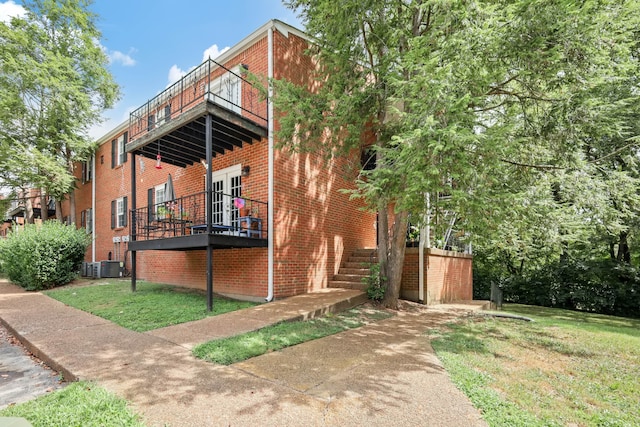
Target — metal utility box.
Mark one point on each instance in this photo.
(84, 269)
(95, 270)
(111, 268)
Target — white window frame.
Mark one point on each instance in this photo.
(226, 90)
(120, 150)
(120, 213)
(159, 201)
(88, 220)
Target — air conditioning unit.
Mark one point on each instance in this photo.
(111, 268)
(84, 269)
(95, 270)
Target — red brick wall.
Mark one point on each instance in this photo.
(314, 223)
(448, 276)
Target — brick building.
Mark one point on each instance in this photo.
(265, 223)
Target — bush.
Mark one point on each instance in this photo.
(599, 286)
(43, 256)
(376, 284)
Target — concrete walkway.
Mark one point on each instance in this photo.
(380, 375)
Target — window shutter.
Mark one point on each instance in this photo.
(89, 220)
(114, 153)
(113, 214)
(84, 172)
(150, 205)
(124, 150)
(83, 218)
(126, 211)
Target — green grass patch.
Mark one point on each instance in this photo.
(152, 306)
(78, 404)
(565, 368)
(235, 349)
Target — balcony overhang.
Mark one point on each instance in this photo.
(197, 242)
(181, 141)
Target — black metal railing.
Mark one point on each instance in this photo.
(184, 216)
(210, 81)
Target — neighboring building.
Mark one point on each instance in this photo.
(17, 212)
(146, 193)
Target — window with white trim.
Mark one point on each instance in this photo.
(159, 197)
(228, 90)
(118, 152)
(119, 213)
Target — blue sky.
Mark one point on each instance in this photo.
(152, 42)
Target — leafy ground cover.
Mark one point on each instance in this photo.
(565, 368)
(78, 404)
(235, 349)
(152, 306)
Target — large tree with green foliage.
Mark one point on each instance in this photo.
(54, 85)
(493, 103)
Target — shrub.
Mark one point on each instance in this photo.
(600, 286)
(376, 284)
(43, 256)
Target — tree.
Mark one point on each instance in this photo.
(55, 85)
(478, 100)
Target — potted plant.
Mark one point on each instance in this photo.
(163, 212)
(243, 205)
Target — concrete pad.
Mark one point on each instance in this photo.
(382, 374)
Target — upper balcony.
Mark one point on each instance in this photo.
(173, 123)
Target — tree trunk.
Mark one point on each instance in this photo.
(397, 245)
(72, 193)
(72, 207)
(383, 242)
(59, 215)
(624, 254)
(28, 210)
(44, 211)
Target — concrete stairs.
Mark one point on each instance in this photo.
(354, 269)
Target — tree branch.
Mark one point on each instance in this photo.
(613, 153)
(526, 165)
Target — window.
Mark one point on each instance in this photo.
(119, 213)
(86, 220)
(86, 171)
(160, 197)
(151, 122)
(227, 90)
(118, 153)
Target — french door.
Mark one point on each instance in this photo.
(226, 186)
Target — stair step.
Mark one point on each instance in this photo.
(347, 285)
(350, 264)
(364, 252)
(366, 259)
(358, 271)
(356, 278)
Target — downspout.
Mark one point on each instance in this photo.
(425, 240)
(270, 221)
(93, 208)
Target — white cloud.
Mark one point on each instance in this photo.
(125, 59)
(175, 74)
(9, 9)
(213, 52)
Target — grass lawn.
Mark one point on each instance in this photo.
(564, 369)
(272, 338)
(78, 404)
(152, 306)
